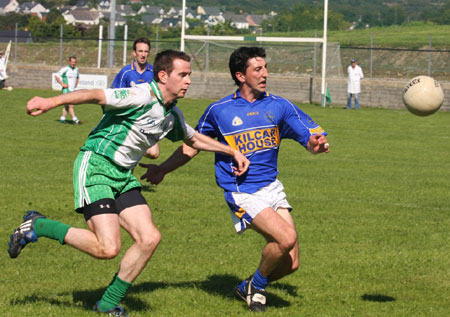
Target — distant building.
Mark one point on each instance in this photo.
(33, 8)
(82, 16)
(7, 6)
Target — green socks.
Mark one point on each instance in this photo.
(113, 294)
(52, 229)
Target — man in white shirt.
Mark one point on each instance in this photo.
(355, 74)
(2, 70)
(68, 77)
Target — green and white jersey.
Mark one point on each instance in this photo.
(69, 76)
(135, 119)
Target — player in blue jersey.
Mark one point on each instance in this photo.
(137, 72)
(254, 122)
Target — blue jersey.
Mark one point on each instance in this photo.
(129, 75)
(256, 130)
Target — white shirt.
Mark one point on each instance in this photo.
(354, 79)
(2, 68)
(69, 76)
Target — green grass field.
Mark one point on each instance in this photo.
(373, 218)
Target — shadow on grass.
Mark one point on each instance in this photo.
(148, 188)
(217, 285)
(377, 298)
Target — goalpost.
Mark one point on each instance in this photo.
(322, 40)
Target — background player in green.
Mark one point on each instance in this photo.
(106, 191)
(255, 122)
(68, 77)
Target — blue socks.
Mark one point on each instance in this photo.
(259, 281)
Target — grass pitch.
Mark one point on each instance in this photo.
(373, 218)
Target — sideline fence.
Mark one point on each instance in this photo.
(299, 59)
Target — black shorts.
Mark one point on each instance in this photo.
(128, 199)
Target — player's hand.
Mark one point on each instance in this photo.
(318, 144)
(38, 105)
(154, 173)
(242, 163)
(65, 85)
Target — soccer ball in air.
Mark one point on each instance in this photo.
(423, 96)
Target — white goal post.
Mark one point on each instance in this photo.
(322, 40)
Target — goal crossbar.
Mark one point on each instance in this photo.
(255, 39)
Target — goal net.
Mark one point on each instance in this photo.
(283, 58)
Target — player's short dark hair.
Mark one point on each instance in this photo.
(72, 57)
(239, 60)
(141, 40)
(164, 61)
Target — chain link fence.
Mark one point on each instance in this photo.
(300, 59)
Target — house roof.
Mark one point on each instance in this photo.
(150, 18)
(214, 11)
(4, 3)
(84, 15)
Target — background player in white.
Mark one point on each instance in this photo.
(254, 122)
(106, 191)
(68, 77)
(355, 74)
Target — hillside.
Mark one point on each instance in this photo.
(353, 10)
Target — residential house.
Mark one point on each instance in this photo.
(34, 8)
(151, 18)
(151, 10)
(104, 6)
(124, 10)
(120, 19)
(239, 21)
(82, 16)
(209, 11)
(7, 6)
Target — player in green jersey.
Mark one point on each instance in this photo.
(106, 191)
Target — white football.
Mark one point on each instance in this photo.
(9, 88)
(423, 96)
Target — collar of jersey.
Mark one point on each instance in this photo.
(159, 97)
(133, 67)
(237, 94)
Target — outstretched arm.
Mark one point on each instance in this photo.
(38, 105)
(318, 144)
(205, 143)
(155, 173)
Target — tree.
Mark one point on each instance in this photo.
(8, 22)
(54, 16)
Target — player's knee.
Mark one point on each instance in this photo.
(150, 240)
(109, 252)
(289, 241)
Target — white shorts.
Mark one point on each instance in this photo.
(244, 207)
